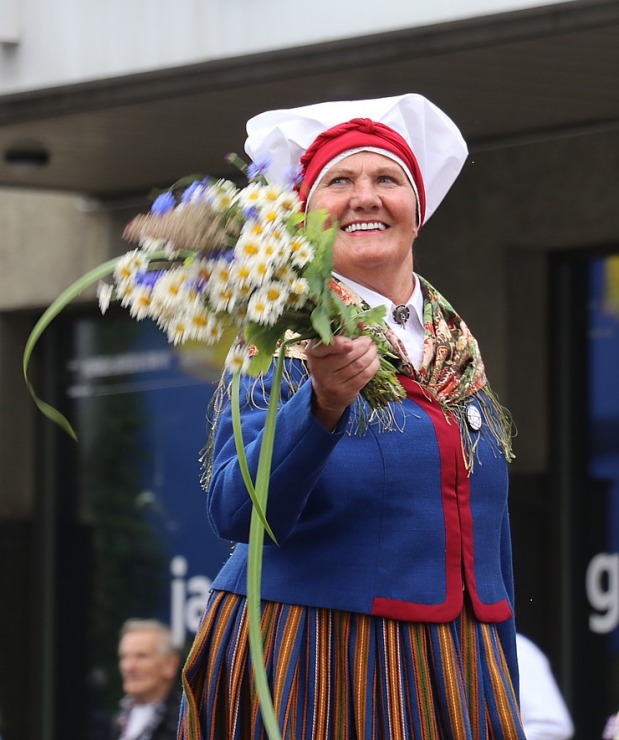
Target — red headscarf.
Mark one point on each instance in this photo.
(357, 134)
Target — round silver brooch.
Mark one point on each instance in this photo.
(473, 417)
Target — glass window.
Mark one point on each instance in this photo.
(133, 538)
(602, 570)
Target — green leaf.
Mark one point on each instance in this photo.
(321, 322)
(264, 339)
(342, 315)
(315, 224)
(295, 219)
(315, 279)
(240, 164)
(371, 315)
(186, 181)
(259, 364)
(63, 300)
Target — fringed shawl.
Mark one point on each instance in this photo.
(452, 372)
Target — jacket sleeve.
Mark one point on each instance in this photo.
(301, 449)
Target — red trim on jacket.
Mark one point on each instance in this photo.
(459, 535)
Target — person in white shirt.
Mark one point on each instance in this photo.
(545, 715)
(149, 665)
(611, 729)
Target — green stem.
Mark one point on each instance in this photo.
(254, 555)
(240, 451)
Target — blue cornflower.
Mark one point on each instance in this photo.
(163, 203)
(149, 277)
(259, 168)
(294, 177)
(195, 190)
(221, 253)
(190, 191)
(251, 213)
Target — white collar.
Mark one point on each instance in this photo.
(372, 298)
(412, 334)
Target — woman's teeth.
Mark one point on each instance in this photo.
(365, 226)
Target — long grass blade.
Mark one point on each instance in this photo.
(69, 294)
(254, 557)
(63, 300)
(240, 451)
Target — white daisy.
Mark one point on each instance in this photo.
(221, 297)
(237, 359)
(221, 194)
(288, 201)
(213, 331)
(202, 326)
(276, 248)
(129, 265)
(149, 244)
(301, 251)
(266, 305)
(272, 193)
(298, 293)
(177, 331)
(200, 270)
(272, 215)
(260, 269)
(169, 292)
(248, 245)
(140, 302)
(105, 293)
(220, 289)
(252, 196)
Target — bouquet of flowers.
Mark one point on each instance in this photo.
(209, 257)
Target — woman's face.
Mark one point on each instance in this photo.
(375, 206)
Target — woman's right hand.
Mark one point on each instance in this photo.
(339, 371)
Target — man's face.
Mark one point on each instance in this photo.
(146, 672)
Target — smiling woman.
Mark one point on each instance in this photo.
(387, 602)
(375, 206)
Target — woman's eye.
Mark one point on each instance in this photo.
(337, 180)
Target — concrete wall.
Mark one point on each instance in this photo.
(44, 44)
(487, 249)
(46, 242)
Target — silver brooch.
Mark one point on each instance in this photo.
(400, 315)
(473, 417)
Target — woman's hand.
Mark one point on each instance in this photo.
(339, 371)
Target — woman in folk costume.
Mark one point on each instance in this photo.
(388, 600)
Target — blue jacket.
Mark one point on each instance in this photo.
(388, 523)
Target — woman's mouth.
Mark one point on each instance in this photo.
(365, 226)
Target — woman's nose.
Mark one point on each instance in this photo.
(364, 195)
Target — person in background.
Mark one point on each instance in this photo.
(611, 729)
(149, 666)
(545, 715)
(388, 598)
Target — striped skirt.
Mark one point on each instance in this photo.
(335, 675)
